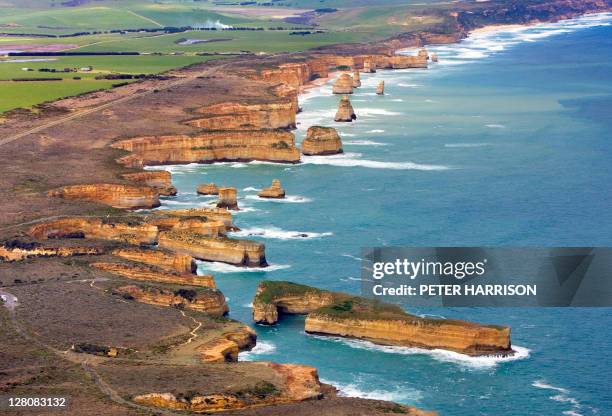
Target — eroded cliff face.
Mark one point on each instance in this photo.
(207, 214)
(159, 180)
(114, 195)
(207, 189)
(210, 147)
(273, 299)
(17, 251)
(173, 262)
(294, 383)
(321, 141)
(226, 347)
(209, 301)
(149, 274)
(294, 75)
(228, 199)
(96, 229)
(197, 225)
(238, 252)
(236, 116)
(463, 337)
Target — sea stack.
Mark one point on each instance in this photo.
(434, 57)
(356, 79)
(273, 192)
(345, 110)
(423, 53)
(228, 199)
(380, 89)
(208, 189)
(369, 66)
(343, 85)
(321, 141)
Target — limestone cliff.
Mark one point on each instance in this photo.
(228, 198)
(198, 225)
(292, 74)
(345, 110)
(343, 85)
(237, 116)
(210, 147)
(150, 274)
(210, 301)
(238, 252)
(275, 191)
(321, 141)
(131, 233)
(276, 298)
(160, 180)
(114, 195)
(18, 251)
(423, 54)
(356, 79)
(339, 314)
(369, 66)
(208, 189)
(434, 57)
(293, 383)
(226, 347)
(206, 214)
(173, 262)
(380, 89)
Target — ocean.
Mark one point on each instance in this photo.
(505, 142)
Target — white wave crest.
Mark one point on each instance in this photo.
(289, 199)
(218, 267)
(562, 397)
(371, 112)
(364, 143)
(375, 131)
(352, 160)
(251, 189)
(480, 362)
(261, 348)
(359, 390)
(495, 126)
(406, 85)
(277, 233)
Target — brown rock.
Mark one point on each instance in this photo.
(114, 195)
(208, 189)
(423, 53)
(406, 62)
(210, 147)
(380, 89)
(239, 252)
(150, 274)
(434, 57)
(321, 141)
(160, 180)
(18, 252)
(228, 199)
(228, 345)
(274, 192)
(343, 85)
(345, 110)
(356, 79)
(168, 261)
(369, 66)
(209, 301)
(96, 229)
(237, 116)
(207, 214)
(197, 225)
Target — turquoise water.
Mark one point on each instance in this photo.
(505, 142)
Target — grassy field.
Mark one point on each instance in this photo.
(26, 94)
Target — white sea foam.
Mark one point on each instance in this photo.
(373, 112)
(562, 397)
(363, 143)
(251, 189)
(452, 145)
(478, 363)
(278, 234)
(261, 348)
(495, 126)
(245, 209)
(352, 160)
(289, 199)
(352, 257)
(360, 390)
(407, 85)
(348, 134)
(218, 267)
(376, 131)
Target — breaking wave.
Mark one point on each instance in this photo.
(352, 160)
(359, 389)
(364, 143)
(277, 233)
(261, 348)
(218, 267)
(562, 397)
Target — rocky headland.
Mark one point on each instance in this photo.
(339, 314)
(114, 195)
